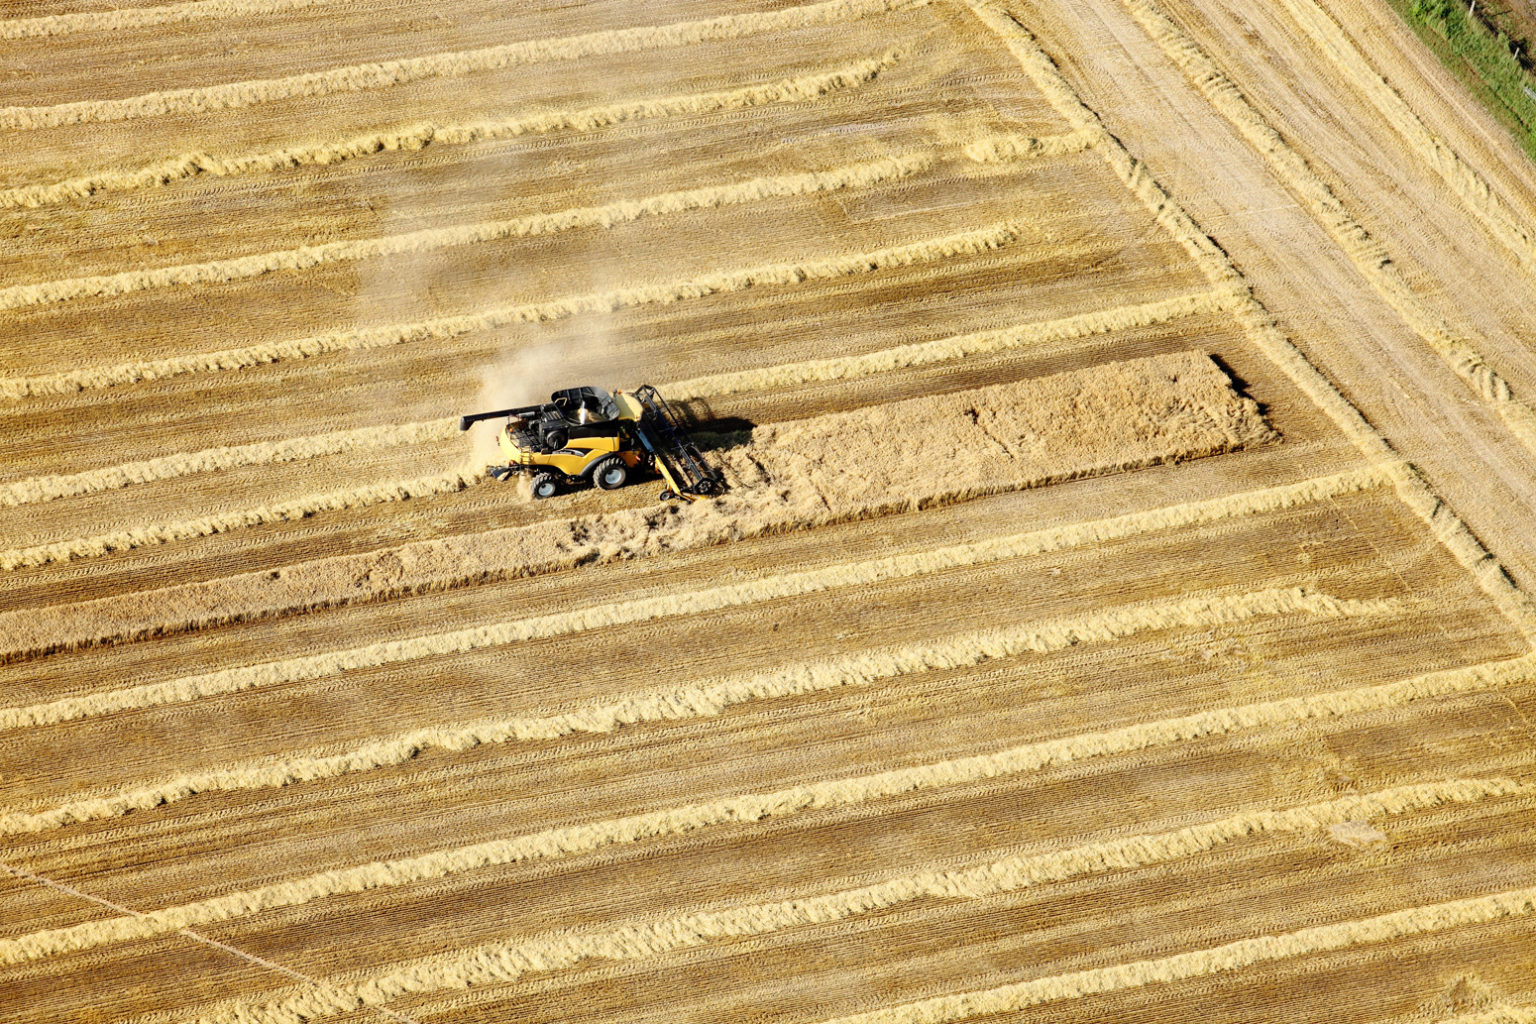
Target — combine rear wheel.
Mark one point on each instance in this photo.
(544, 485)
(610, 472)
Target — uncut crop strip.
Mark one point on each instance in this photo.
(1368, 255)
(145, 17)
(1205, 963)
(567, 841)
(1180, 406)
(49, 488)
(929, 250)
(239, 268)
(1468, 186)
(847, 574)
(33, 490)
(448, 563)
(709, 697)
(508, 961)
(387, 74)
(1442, 521)
(799, 89)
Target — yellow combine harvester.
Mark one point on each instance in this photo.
(586, 435)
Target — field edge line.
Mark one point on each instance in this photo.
(1471, 188)
(1414, 490)
(1367, 254)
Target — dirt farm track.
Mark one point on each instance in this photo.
(1121, 608)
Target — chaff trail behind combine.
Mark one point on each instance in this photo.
(587, 435)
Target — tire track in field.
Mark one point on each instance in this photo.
(49, 488)
(800, 89)
(508, 961)
(386, 74)
(1446, 526)
(226, 521)
(965, 243)
(33, 490)
(1470, 187)
(566, 841)
(51, 25)
(867, 174)
(709, 697)
(1503, 1013)
(961, 346)
(453, 562)
(1205, 963)
(1367, 254)
(724, 519)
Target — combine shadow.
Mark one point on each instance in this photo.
(711, 432)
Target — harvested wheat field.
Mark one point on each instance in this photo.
(1120, 607)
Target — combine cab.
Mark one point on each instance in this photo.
(586, 435)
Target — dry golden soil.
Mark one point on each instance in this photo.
(1119, 611)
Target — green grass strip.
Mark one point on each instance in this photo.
(1484, 59)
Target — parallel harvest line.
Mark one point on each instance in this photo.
(1000, 148)
(235, 680)
(708, 697)
(1504, 1013)
(49, 488)
(1204, 963)
(417, 136)
(1442, 521)
(499, 963)
(386, 74)
(1367, 254)
(965, 243)
(238, 268)
(1470, 187)
(961, 346)
(67, 485)
(145, 17)
(223, 522)
(567, 841)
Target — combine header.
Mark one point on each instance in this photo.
(586, 435)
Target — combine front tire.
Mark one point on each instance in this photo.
(610, 473)
(544, 485)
